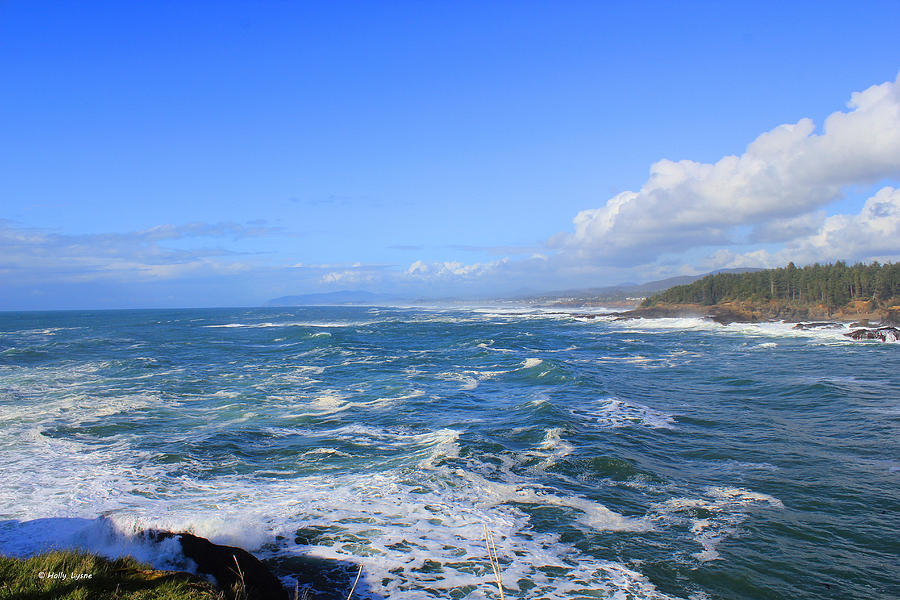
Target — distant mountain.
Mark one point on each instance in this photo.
(623, 291)
(616, 293)
(331, 298)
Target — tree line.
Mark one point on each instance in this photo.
(831, 284)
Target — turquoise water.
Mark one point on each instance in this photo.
(628, 459)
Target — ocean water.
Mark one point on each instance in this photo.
(670, 458)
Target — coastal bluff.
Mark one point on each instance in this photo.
(861, 313)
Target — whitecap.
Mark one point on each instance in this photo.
(726, 508)
(615, 412)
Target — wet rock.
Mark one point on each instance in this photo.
(233, 568)
(660, 312)
(818, 325)
(726, 316)
(885, 334)
(892, 317)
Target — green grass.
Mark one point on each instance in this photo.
(82, 576)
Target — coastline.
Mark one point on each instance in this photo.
(328, 478)
(862, 318)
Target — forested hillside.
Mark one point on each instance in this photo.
(832, 285)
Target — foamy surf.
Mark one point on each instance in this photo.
(609, 459)
(725, 509)
(616, 412)
(763, 329)
(391, 523)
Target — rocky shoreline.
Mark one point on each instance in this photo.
(865, 322)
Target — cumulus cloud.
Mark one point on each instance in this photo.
(786, 173)
(780, 230)
(764, 207)
(874, 233)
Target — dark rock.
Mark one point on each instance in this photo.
(657, 312)
(231, 567)
(819, 325)
(724, 316)
(892, 317)
(885, 334)
(861, 323)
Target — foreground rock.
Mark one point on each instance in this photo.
(235, 570)
(885, 334)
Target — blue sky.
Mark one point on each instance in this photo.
(224, 153)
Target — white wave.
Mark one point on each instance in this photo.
(41, 331)
(311, 369)
(391, 522)
(265, 325)
(726, 507)
(325, 451)
(102, 536)
(531, 362)
(79, 407)
(412, 394)
(329, 402)
(554, 447)
(637, 359)
(443, 445)
(470, 379)
(490, 346)
(595, 514)
(615, 412)
(765, 329)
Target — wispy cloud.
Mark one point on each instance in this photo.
(499, 250)
(34, 255)
(257, 228)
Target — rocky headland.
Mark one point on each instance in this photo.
(867, 320)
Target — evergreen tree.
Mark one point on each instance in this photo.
(831, 284)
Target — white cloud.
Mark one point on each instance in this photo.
(451, 270)
(350, 276)
(793, 228)
(29, 255)
(786, 173)
(875, 231)
(873, 234)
